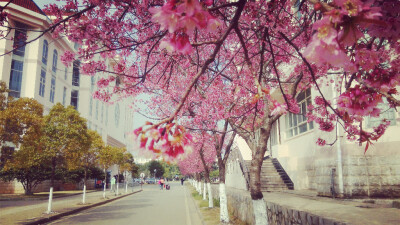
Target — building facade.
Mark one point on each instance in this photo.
(341, 169)
(36, 71)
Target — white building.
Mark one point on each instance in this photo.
(36, 71)
(342, 166)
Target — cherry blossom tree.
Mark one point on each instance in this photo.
(229, 60)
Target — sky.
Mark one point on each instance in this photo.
(42, 3)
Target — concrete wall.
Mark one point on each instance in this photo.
(17, 188)
(240, 205)
(233, 175)
(375, 173)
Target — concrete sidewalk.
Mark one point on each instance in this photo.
(346, 211)
(33, 211)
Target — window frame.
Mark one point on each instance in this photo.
(45, 52)
(42, 83)
(55, 61)
(297, 124)
(52, 88)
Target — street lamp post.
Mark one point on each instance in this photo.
(155, 171)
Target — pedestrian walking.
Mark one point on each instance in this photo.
(161, 183)
(182, 181)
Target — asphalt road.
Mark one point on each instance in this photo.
(152, 206)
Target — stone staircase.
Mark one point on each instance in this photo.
(273, 176)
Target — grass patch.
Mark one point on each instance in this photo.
(211, 215)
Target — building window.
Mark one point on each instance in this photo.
(274, 134)
(52, 88)
(91, 107)
(386, 113)
(55, 58)
(74, 98)
(45, 52)
(92, 83)
(116, 115)
(42, 85)
(117, 81)
(65, 73)
(102, 112)
(16, 78)
(297, 123)
(97, 110)
(19, 40)
(64, 96)
(75, 74)
(76, 45)
(106, 115)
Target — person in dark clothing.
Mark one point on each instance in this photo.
(182, 180)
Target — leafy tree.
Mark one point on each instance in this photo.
(23, 121)
(223, 59)
(89, 156)
(170, 170)
(106, 158)
(3, 95)
(156, 165)
(65, 139)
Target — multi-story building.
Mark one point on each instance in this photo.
(340, 168)
(36, 71)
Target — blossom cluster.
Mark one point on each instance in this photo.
(169, 141)
(181, 18)
(360, 101)
(339, 28)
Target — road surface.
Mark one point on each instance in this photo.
(151, 206)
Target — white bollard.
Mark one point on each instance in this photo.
(50, 201)
(84, 195)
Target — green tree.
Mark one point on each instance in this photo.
(170, 170)
(157, 167)
(65, 139)
(22, 121)
(3, 95)
(106, 158)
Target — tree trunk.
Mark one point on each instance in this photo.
(84, 187)
(53, 172)
(104, 183)
(205, 191)
(117, 183)
(208, 181)
(223, 202)
(258, 151)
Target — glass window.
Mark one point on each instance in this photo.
(55, 59)
(16, 78)
(42, 84)
(19, 40)
(117, 115)
(92, 83)
(74, 98)
(52, 88)
(97, 110)
(117, 81)
(64, 95)
(386, 113)
(91, 107)
(274, 134)
(297, 123)
(102, 111)
(65, 73)
(106, 114)
(45, 52)
(75, 74)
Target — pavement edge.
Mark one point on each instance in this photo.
(58, 216)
